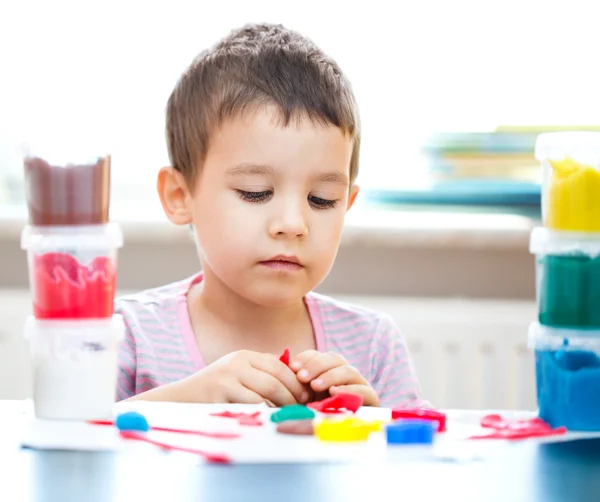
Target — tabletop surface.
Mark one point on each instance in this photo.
(523, 471)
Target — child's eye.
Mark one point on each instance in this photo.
(320, 203)
(254, 196)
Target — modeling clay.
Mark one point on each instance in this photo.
(569, 290)
(67, 193)
(248, 419)
(348, 429)
(516, 429)
(218, 458)
(411, 431)
(424, 414)
(134, 426)
(132, 421)
(573, 197)
(292, 412)
(338, 403)
(568, 386)
(297, 427)
(285, 357)
(65, 289)
(520, 434)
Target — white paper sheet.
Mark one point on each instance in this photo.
(261, 444)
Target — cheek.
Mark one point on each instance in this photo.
(327, 231)
(223, 233)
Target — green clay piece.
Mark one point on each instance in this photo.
(292, 412)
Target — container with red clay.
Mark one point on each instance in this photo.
(71, 245)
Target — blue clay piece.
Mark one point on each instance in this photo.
(132, 421)
(410, 431)
(568, 386)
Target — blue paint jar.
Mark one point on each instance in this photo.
(567, 366)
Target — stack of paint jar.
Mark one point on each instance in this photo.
(566, 338)
(72, 258)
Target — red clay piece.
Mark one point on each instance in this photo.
(422, 414)
(285, 357)
(337, 403)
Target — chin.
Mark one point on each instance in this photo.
(276, 297)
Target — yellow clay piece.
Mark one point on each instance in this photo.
(573, 197)
(347, 429)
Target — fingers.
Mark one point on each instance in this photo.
(301, 359)
(318, 365)
(238, 393)
(368, 393)
(278, 371)
(266, 386)
(341, 375)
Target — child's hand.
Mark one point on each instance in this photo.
(331, 372)
(248, 377)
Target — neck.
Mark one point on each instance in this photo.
(241, 316)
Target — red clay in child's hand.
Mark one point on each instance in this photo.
(65, 289)
(285, 357)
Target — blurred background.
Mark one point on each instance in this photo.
(452, 95)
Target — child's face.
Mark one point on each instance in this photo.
(267, 194)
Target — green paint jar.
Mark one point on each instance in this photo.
(567, 278)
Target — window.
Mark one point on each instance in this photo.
(87, 73)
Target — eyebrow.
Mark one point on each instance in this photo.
(249, 169)
(334, 177)
(265, 170)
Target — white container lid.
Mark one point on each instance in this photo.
(72, 237)
(81, 328)
(582, 146)
(547, 338)
(544, 241)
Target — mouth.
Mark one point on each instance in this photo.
(283, 263)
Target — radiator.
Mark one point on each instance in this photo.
(467, 354)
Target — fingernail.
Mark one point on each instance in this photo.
(295, 365)
(304, 397)
(303, 374)
(319, 383)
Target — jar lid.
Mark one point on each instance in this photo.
(548, 338)
(544, 241)
(113, 327)
(107, 236)
(582, 146)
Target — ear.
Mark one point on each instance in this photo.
(353, 193)
(174, 196)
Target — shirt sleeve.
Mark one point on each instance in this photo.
(393, 375)
(126, 376)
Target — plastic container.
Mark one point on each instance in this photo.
(570, 180)
(72, 270)
(64, 190)
(74, 367)
(567, 278)
(567, 377)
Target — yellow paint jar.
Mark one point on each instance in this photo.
(571, 180)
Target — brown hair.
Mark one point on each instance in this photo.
(256, 65)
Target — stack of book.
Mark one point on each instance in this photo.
(494, 169)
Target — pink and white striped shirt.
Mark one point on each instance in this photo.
(160, 346)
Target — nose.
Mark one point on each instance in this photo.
(289, 220)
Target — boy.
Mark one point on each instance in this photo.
(263, 136)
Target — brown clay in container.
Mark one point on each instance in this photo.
(71, 194)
